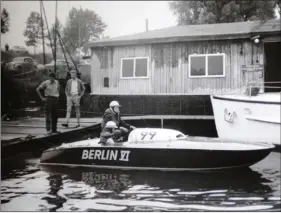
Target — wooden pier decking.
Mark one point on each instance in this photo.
(26, 135)
(24, 129)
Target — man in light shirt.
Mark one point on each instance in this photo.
(74, 90)
(51, 89)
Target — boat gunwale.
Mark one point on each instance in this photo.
(264, 146)
(244, 100)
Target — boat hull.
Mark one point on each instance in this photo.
(247, 120)
(152, 159)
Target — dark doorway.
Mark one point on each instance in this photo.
(272, 65)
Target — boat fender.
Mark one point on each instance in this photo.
(229, 116)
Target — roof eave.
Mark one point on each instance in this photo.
(277, 32)
(168, 40)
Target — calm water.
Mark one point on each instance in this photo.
(27, 187)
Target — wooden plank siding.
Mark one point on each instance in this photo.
(168, 68)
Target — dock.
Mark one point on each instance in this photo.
(26, 134)
(13, 131)
(29, 134)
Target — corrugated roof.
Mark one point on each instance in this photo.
(193, 32)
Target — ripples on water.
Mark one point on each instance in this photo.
(27, 187)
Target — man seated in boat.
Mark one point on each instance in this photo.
(113, 114)
(110, 133)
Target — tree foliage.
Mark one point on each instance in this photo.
(33, 30)
(279, 7)
(5, 21)
(222, 11)
(81, 27)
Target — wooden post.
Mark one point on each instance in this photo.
(146, 25)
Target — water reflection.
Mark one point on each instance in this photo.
(247, 180)
(29, 187)
(55, 183)
(150, 190)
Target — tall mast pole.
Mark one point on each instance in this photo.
(79, 35)
(68, 52)
(47, 25)
(61, 44)
(55, 37)
(42, 28)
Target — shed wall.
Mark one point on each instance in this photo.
(168, 72)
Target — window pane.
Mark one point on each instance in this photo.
(197, 65)
(128, 68)
(141, 67)
(215, 65)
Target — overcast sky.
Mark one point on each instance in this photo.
(121, 17)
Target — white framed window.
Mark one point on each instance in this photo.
(136, 67)
(206, 65)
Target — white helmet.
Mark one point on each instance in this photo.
(114, 104)
(111, 124)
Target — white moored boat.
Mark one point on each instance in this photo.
(252, 118)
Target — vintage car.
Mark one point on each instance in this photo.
(22, 64)
(61, 67)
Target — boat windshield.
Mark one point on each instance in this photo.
(154, 134)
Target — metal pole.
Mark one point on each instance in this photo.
(42, 27)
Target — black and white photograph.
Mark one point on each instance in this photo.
(141, 106)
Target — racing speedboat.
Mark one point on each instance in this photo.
(158, 149)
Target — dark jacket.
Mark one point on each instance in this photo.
(106, 134)
(109, 115)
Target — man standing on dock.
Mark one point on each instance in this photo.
(74, 90)
(51, 89)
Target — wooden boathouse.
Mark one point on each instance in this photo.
(173, 71)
